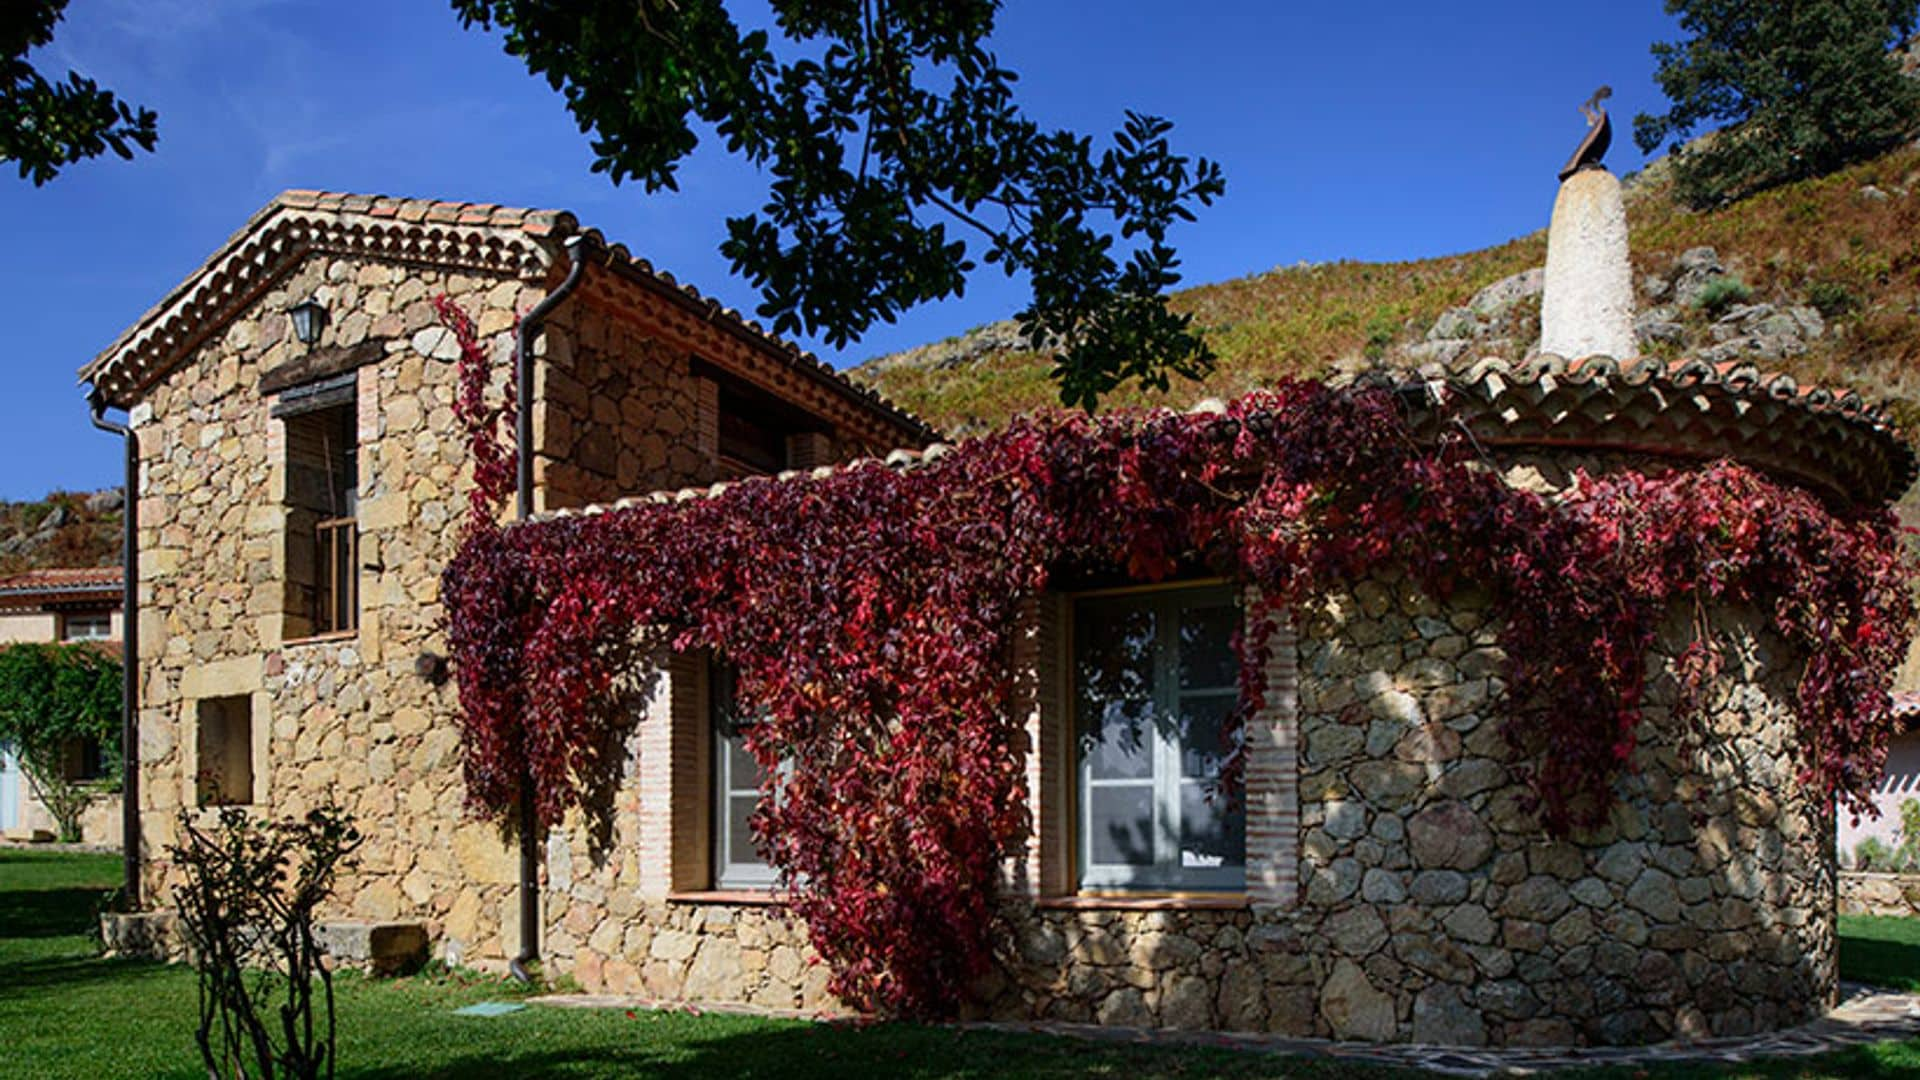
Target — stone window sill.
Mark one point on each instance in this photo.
(322, 639)
(1171, 902)
(741, 897)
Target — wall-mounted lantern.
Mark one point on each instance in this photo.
(308, 316)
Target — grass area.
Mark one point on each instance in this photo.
(1882, 951)
(66, 1013)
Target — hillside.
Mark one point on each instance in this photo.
(1828, 275)
(64, 529)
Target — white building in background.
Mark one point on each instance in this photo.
(1898, 784)
(66, 604)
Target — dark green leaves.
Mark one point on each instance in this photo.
(889, 129)
(47, 125)
(1803, 88)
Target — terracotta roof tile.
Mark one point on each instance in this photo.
(77, 577)
(1832, 440)
(35, 587)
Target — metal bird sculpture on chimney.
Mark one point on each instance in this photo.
(1599, 134)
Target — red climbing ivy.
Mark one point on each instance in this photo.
(869, 614)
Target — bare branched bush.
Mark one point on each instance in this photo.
(248, 899)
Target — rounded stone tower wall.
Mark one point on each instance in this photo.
(1434, 907)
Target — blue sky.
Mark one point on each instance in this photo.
(1370, 131)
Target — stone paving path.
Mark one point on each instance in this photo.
(1864, 1015)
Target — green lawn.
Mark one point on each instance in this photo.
(65, 1013)
(1881, 951)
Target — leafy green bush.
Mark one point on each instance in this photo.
(1721, 293)
(1872, 853)
(52, 696)
(1831, 299)
(1380, 332)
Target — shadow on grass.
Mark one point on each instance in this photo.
(55, 912)
(833, 1051)
(1880, 961)
(28, 978)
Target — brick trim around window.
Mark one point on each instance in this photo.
(1041, 702)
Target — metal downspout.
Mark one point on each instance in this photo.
(523, 507)
(129, 653)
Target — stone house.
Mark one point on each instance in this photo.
(1384, 880)
(66, 604)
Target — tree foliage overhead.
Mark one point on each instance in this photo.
(1802, 89)
(52, 696)
(46, 125)
(896, 154)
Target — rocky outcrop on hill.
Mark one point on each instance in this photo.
(1696, 307)
(64, 529)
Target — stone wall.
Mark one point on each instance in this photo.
(345, 717)
(1431, 906)
(618, 413)
(1897, 895)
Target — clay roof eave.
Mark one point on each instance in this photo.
(514, 240)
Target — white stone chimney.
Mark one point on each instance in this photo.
(1586, 308)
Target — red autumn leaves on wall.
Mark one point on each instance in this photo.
(870, 613)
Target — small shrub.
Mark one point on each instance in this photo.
(1721, 293)
(1872, 854)
(1380, 332)
(1831, 299)
(1908, 853)
(248, 898)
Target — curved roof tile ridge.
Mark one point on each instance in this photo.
(1829, 437)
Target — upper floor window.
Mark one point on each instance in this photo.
(322, 470)
(737, 862)
(760, 434)
(1155, 681)
(86, 626)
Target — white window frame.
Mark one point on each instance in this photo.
(102, 621)
(728, 726)
(1166, 874)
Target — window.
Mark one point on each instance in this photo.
(86, 626)
(760, 433)
(86, 759)
(1155, 680)
(323, 587)
(225, 745)
(737, 862)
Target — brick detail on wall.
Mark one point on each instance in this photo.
(1040, 707)
(1273, 779)
(675, 778)
(366, 401)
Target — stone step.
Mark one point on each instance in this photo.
(378, 948)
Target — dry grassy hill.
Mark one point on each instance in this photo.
(64, 529)
(1828, 290)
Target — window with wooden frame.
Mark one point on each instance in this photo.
(760, 433)
(1155, 681)
(322, 481)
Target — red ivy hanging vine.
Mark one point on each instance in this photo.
(869, 615)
